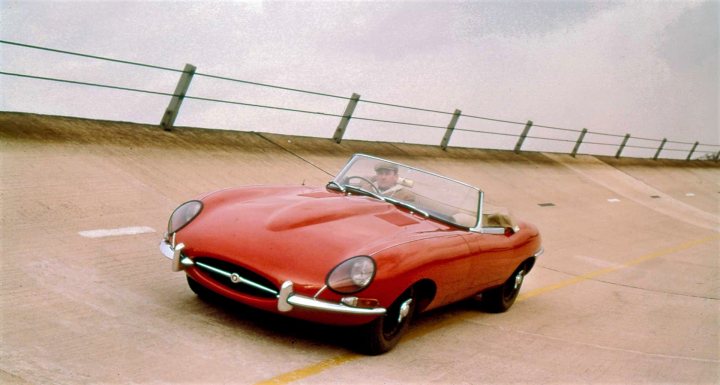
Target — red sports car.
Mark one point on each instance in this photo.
(378, 244)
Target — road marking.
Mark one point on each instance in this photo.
(598, 262)
(101, 233)
(633, 262)
(330, 363)
(604, 347)
(311, 370)
(613, 200)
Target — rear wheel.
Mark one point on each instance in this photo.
(501, 298)
(384, 333)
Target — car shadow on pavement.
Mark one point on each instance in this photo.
(281, 329)
(296, 333)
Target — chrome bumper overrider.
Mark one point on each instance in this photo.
(287, 299)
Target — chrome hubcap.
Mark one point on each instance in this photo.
(404, 310)
(519, 279)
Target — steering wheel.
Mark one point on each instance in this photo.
(375, 189)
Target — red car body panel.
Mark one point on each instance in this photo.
(300, 234)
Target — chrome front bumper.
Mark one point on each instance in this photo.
(287, 298)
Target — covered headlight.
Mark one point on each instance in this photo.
(183, 215)
(352, 275)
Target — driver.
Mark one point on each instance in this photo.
(386, 179)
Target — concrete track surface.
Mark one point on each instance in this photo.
(626, 292)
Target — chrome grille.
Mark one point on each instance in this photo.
(237, 278)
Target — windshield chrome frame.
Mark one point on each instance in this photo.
(478, 225)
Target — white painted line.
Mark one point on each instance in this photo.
(690, 194)
(613, 200)
(100, 233)
(600, 262)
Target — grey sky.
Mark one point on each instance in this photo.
(645, 68)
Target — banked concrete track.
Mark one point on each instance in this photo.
(626, 292)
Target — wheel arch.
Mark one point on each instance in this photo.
(425, 291)
(528, 263)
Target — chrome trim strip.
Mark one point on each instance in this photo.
(492, 230)
(214, 269)
(309, 303)
(287, 300)
(350, 163)
(236, 278)
(285, 291)
(481, 209)
(539, 252)
(320, 291)
(179, 262)
(476, 228)
(166, 249)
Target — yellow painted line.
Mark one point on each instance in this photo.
(636, 261)
(310, 370)
(342, 359)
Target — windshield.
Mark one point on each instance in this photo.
(425, 192)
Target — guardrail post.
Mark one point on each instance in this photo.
(520, 141)
(662, 144)
(450, 128)
(340, 131)
(692, 150)
(579, 142)
(622, 146)
(171, 113)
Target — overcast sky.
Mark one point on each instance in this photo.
(646, 68)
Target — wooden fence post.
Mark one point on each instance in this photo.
(340, 131)
(171, 113)
(450, 128)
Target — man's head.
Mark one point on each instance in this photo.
(386, 175)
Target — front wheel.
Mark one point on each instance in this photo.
(381, 335)
(501, 298)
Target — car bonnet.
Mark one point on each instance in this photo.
(298, 233)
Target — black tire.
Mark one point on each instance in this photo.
(381, 335)
(501, 298)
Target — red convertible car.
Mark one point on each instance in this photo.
(378, 244)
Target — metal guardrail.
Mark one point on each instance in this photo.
(187, 74)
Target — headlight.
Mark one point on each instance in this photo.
(352, 275)
(183, 215)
